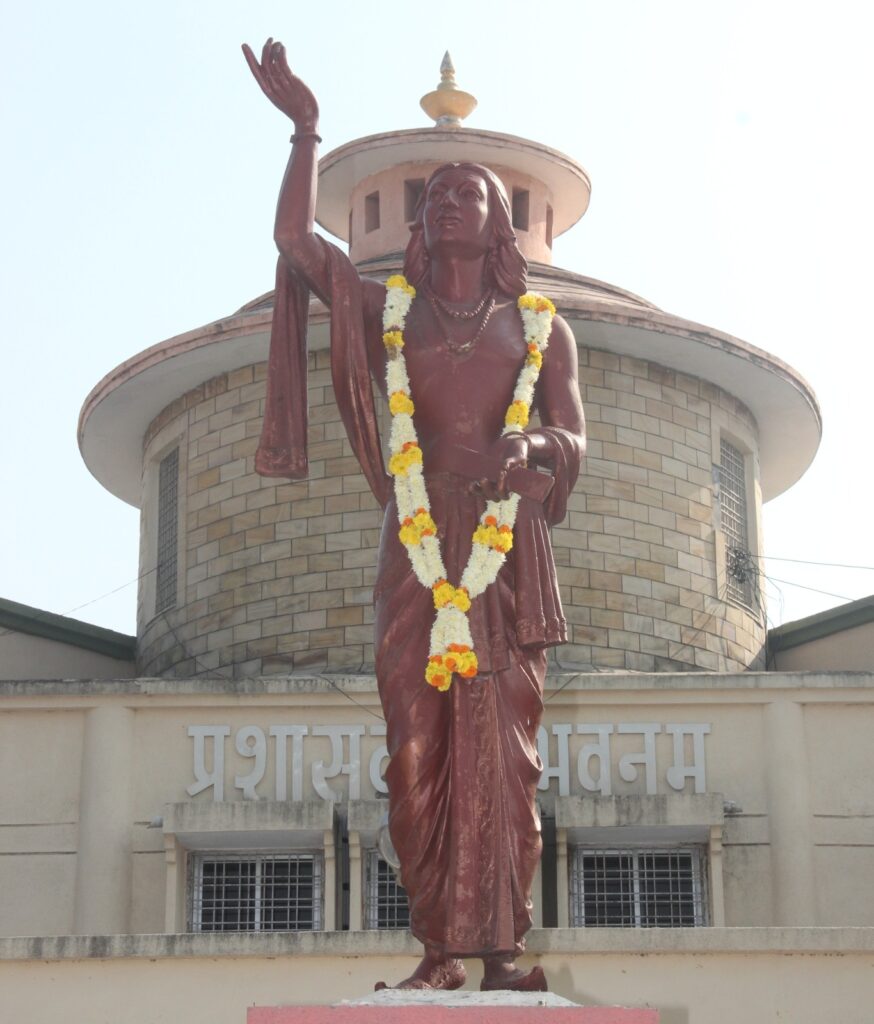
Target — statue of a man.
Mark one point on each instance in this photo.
(454, 348)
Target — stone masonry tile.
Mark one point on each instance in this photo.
(601, 505)
(594, 635)
(249, 483)
(573, 577)
(325, 488)
(690, 599)
(618, 452)
(327, 524)
(622, 640)
(332, 637)
(633, 474)
(264, 535)
(651, 571)
(308, 545)
(586, 521)
(605, 360)
(307, 582)
(616, 563)
(635, 548)
(245, 448)
(588, 598)
(619, 382)
(292, 492)
(604, 543)
(330, 563)
(277, 551)
(591, 377)
(647, 460)
(648, 534)
(207, 551)
(594, 450)
(365, 558)
(227, 399)
(640, 624)
(631, 402)
(637, 585)
(347, 541)
(357, 634)
(290, 604)
(288, 529)
(631, 438)
(343, 502)
(247, 631)
(215, 531)
(345, 616)
(304, 621)
(589, 559)
(341, 466)
(266, 608)
(676, 541)
(676, 614)
(272, 514)
(634, 367)
(614, 414)
(344, 578)
(231, 544)
(605, 581)
(653, 607)
(577, 614)
(326, 599)
(279, 587)
(658, 445)
(621, 603)
(601, 431)
(208, 478)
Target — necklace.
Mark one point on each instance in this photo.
(458, 314)
(451, 648)
(455, 347)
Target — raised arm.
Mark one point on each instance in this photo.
(295, 211)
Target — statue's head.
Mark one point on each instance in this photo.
(464, 209)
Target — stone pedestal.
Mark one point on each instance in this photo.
(391, 1007)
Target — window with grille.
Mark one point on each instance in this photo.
(385, 901)
(256, 893)
(655, 888)
(733, 518)
(168, 526)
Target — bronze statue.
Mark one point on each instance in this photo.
(463, 765)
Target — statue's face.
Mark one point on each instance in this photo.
(456, 215)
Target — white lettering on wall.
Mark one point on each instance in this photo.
(336, 753)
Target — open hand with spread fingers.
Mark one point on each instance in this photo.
(284, 89)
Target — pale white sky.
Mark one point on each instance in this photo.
(728, 146)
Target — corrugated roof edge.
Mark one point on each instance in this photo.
(22, 618)
(834, 620)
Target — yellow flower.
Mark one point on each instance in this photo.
(498, 537)
(399, 402)
(444, 592)
(517, 414)
(538, 303)
(400, 462)
(393, 339)
(437, 675)
(461, 599)
(535, 356)
(409, 533)
(399, 281)
(424, 523)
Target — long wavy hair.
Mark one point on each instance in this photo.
(506, 269)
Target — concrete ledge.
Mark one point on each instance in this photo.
(608, 683)
(631, 941)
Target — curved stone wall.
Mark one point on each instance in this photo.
(275, 576)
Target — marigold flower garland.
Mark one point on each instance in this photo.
(451, 649)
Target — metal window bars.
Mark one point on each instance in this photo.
(733, 518)
(637, 888)
(256, 892)
(385, 901)
(168, 527)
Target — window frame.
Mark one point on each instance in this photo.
(194, 887)
(700, 898)
(371, 866)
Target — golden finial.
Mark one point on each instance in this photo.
(447, 104)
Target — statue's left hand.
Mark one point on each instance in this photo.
(511, 452)
(284, 89)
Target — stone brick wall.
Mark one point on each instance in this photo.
(276, 576)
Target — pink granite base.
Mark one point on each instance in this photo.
(449, 1015)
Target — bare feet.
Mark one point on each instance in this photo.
(506, 976)
(434, 971)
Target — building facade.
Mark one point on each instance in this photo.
(219, 802)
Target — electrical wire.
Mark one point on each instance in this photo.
(805, 561)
